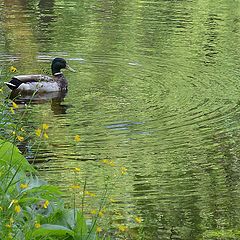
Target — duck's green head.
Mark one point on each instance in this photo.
(58, 64)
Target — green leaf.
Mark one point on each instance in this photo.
(29, 200)
(66, 218)
(81, 229)
(10, 155)
(52, 230)
(37, 187)
(47, 189)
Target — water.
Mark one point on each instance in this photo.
(156, 91)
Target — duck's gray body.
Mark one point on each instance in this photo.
(42, 83)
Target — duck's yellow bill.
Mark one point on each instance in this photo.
(70, 69)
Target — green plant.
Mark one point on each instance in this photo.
(32, 209)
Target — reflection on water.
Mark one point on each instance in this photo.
(157, 92)
(55, 98)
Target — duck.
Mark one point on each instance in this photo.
(42, 83)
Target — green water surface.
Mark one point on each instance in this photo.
(156, 91)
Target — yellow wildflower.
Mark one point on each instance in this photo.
(14, 105)
(122, 228)
(105, 161)
(111, 163)
(1, 208)
(38, 132)
(93, 212)
(90, 194)
(1, 90)
(23, 185)
(20, 138)
(37, 225)
(77, 138)
(45, 204)
(45, 135)
(14, 133)
(98, 229)
(17, 208)
(123, 170)
(22, 129)
(138, 219)
(77, 169)
(13, 69)
(75, 186)
(100, 214)
(108, 162)
(45, 126)
(12, 111)
(8, 225)
(11, 221)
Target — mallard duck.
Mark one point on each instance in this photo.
(42, 83)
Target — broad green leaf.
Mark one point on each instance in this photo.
(66, 218)
(52, 230)
(46, 189)
(10, 155)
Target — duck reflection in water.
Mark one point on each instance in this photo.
(56, 99)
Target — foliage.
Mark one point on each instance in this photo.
(32, 209)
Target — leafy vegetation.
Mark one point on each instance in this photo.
(32, 209)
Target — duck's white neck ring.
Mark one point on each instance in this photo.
(59, 73)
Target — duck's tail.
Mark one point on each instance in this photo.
(14, 83)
